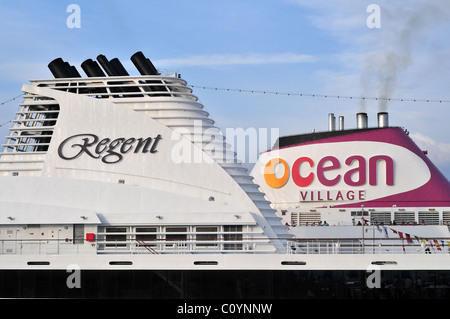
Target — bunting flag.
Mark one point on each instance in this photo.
(400, 234)
(386, 233)
(408, 238)
(437, 244)
(433, 243)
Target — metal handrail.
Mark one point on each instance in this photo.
(156, 246)
(356, 246)
(150, 249)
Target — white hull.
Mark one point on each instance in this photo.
(305, 262)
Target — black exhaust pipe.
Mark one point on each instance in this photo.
(144, 65)
(112, 67)
(61, 69)
(115, 68)
(75, 72)
(106, 65)
(92, 69)
(119, 67)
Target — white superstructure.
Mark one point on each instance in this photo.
(122, 161)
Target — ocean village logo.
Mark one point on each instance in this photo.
(110, 151)
(329, 172)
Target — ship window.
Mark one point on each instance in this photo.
(408, 218)
(116, 236)
(308, 218)
(294, 219)
(359, 213)
(179, 234)
(78, 233)
(381, 217)
(232, 237)
(146, 235)
(429, 218)
(446, 218)
(209, 237)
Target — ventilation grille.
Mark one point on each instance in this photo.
(305, 218)
(430, 218)
(405, 217)
(30, 135)
(381, 217)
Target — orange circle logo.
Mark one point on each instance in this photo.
(269, 173)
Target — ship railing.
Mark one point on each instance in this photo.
(255, 245)
(48, 246)
(359, 246)
(163, 246)
(122, 86)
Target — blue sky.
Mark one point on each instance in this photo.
(299, 46)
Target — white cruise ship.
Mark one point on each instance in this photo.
(122, 186)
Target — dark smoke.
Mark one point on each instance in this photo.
(403, 27)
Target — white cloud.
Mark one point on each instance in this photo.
(383, 55)
(438, 152)
(232, 59)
